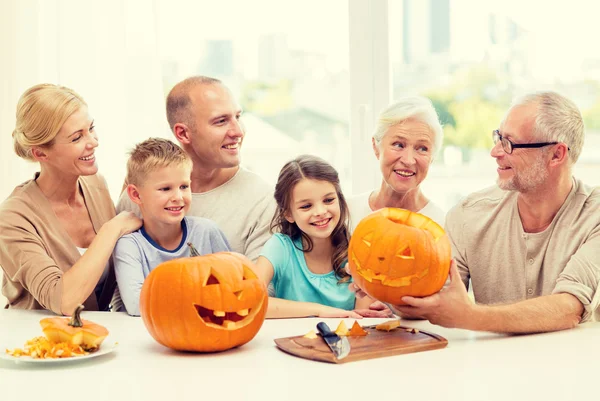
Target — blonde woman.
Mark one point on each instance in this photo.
(58, 230)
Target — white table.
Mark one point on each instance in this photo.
(474, 366)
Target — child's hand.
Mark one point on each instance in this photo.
(328, 311)
(376, 309)
(387, 312)
(378, 305)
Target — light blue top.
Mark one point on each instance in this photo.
(292, 280)
(136, 255)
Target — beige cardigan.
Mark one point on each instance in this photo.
(35, 250)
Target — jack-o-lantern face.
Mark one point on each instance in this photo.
(395, 252)
(204, 303)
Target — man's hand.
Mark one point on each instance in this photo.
(451, 307)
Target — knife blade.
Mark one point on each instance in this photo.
(340, 346)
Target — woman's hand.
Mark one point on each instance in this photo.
(126, 222)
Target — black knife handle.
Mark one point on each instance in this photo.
(324, 330)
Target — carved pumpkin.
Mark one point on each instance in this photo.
(203, 303)
(76, 331)
(395, 252)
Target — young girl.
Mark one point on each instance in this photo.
(305, 260)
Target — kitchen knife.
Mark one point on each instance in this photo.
(339, 345)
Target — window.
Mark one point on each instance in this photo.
(472, 57)
(286, 62)
(312, 76)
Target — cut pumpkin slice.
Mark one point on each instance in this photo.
(357, 330)
(342, 329)
(311, 334)
(389, 325)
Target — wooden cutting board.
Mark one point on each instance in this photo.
(376, 344)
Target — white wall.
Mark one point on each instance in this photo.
(106, 51)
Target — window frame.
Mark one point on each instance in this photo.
(370, 85)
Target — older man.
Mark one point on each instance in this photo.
(531, 245)
(205, 118)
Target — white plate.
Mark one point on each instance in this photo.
(105, 348)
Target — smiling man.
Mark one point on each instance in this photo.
(206, 120)
(531, 244)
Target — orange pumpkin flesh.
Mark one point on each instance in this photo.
(389, 325)
(342, 329)
(357, 330)
(203, 303)
(395, 252)
(74, 331)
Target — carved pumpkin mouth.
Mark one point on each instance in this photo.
(227, 320)
(371, 275)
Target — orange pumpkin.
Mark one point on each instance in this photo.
(203, 303)
(74, 331)
(395, 252)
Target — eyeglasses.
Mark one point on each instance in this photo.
(508, 146)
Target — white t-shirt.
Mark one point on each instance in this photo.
(359, 209)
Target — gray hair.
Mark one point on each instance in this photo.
(416, 108)
(557, 120)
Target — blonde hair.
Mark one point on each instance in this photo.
(41, 112)
(152, 154)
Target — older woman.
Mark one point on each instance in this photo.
(406, 138)
(57, 231)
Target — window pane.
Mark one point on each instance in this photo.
(287, 63)
(471, 57)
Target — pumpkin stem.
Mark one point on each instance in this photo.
(76, 318)
(193, 250)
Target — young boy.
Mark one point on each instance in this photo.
(158, 177)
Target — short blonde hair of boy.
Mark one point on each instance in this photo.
(152, 154)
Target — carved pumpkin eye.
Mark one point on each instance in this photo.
(405, 253)
(212, 280)
(248, 274)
